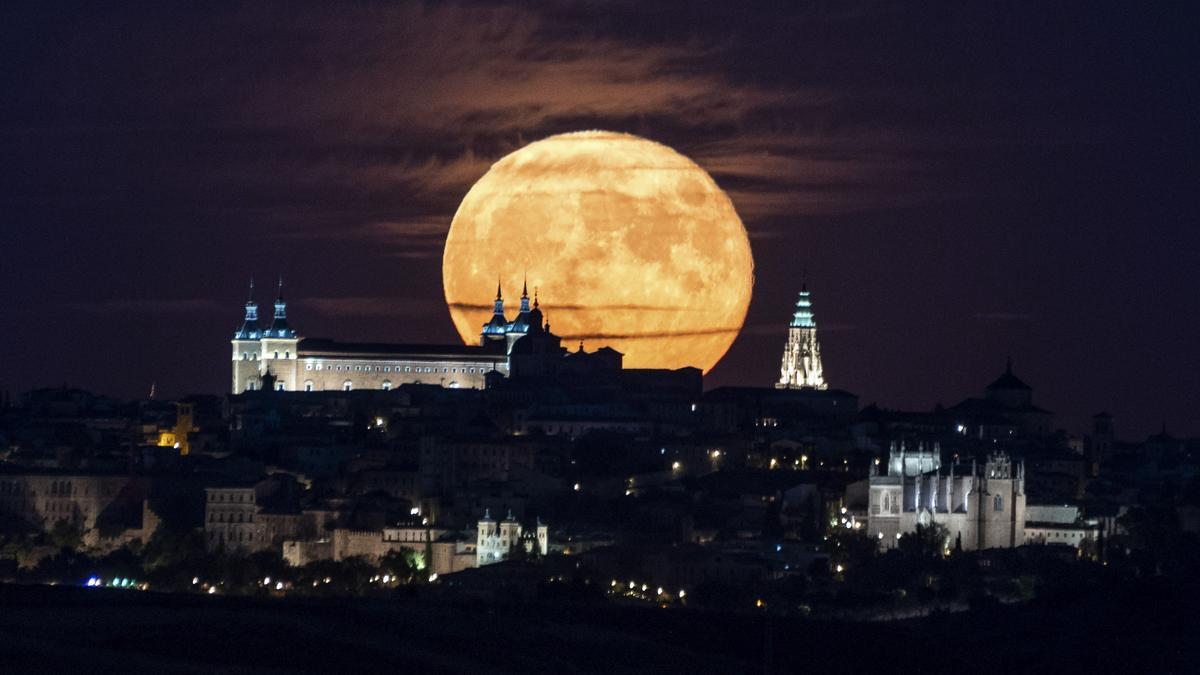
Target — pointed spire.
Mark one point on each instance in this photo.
(498, 309)
(525, 295)
(535, 297)
(803, 316)
(249, 329)
(279, 324)
(496, 326)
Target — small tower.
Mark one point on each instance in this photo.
(520, 325)
(247, 350)
(279, 346)
(497, 327)
(801, 367)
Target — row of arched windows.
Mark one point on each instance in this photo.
(388, 369)
(253, 356)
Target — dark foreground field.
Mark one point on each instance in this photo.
(1147, 629)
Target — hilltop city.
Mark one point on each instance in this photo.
(523, 468)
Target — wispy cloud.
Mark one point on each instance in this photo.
(185, 306)
(1003, 316)
(370, 306)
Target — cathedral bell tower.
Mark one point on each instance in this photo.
(801, 367)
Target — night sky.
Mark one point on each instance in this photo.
(961, 183)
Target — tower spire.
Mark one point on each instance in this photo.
(498, 308)
(249, 329)
(279, 324)
(525, 295)
(497, 326)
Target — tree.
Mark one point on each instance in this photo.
(401, 564)
(65, 534)
(927, 541)
(850, 549)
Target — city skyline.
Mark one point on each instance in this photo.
(1001, 182)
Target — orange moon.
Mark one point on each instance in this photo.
(629, 243)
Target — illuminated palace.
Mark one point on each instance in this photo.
(279, 357)
(801, 367)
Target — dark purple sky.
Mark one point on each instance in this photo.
(962, 182)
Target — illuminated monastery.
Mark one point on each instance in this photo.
(279, 357)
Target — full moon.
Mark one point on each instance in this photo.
(629, 244)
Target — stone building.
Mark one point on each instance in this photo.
(497, 541)
(443, 551)
(40, 500)
(980, 507)
(231, 521)
(294, 363)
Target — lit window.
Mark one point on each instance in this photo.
(347, 385)
(308, 385)
(387, 386)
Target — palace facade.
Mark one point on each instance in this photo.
(278, 357)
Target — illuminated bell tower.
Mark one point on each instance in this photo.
(801, 367)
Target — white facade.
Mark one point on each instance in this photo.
(496, 541)
(979, 509)
(298, 364)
